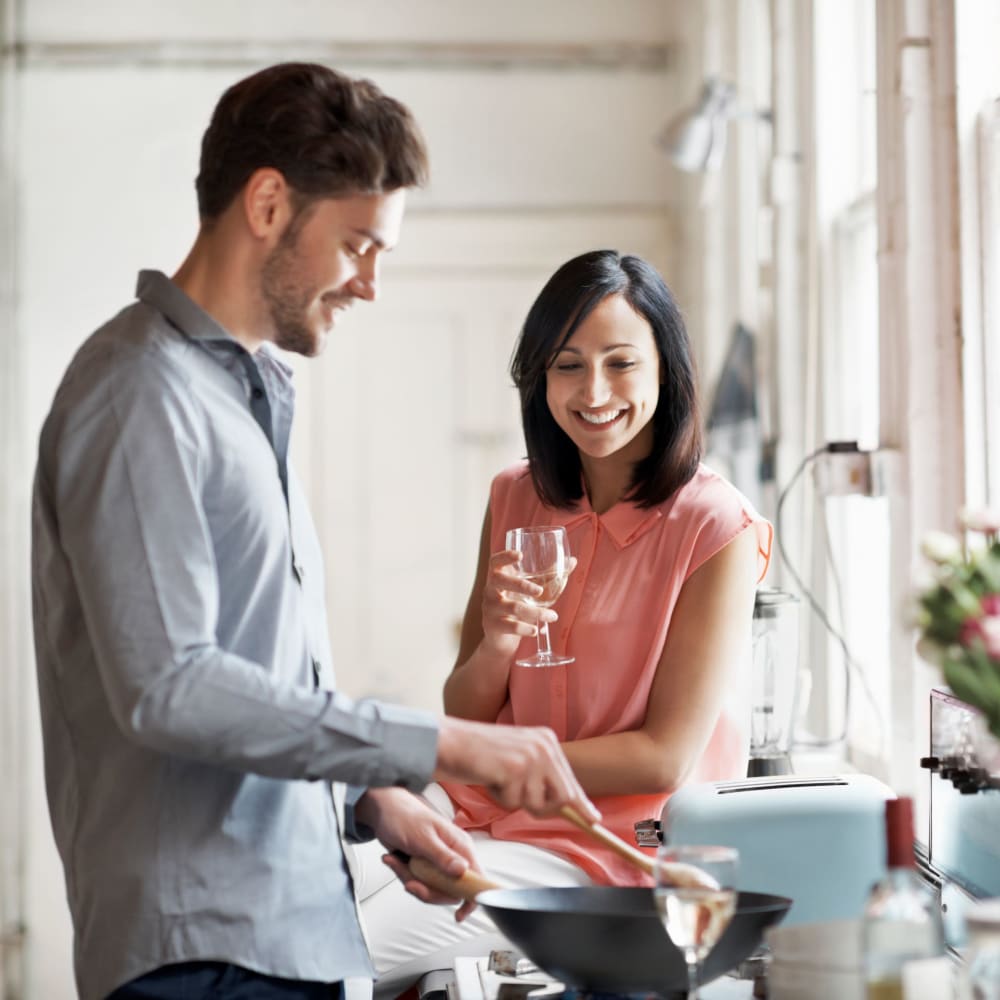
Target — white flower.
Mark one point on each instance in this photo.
(940, 547)
(983, 519)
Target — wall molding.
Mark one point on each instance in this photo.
(654, 57)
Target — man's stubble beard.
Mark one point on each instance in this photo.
(285, 299)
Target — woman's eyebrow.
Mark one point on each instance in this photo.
(605, 350)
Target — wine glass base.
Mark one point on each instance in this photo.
(552, 660)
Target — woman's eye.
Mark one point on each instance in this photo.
(623, 365)
(567, 366)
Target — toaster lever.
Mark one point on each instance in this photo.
(648, 833)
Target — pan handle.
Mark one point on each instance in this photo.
(468, 886)
(602, 834)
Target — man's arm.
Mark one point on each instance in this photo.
(120, 523)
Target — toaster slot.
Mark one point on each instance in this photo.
(781, 782)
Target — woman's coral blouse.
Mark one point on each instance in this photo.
(613, 617)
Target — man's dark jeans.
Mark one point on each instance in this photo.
(221, 981)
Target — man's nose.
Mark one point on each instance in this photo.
(365, 283)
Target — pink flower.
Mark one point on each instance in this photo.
(990, 604)
(985, 630)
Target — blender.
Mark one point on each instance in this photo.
(774, 675)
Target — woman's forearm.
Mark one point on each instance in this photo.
(477, 688)
(630, 763)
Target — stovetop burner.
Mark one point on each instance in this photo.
(507, 975)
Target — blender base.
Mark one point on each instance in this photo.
(770, 765)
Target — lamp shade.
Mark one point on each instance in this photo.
(696, 140)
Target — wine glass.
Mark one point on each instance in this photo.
(544, 561)
(696, 898)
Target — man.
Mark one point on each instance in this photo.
(191, 727)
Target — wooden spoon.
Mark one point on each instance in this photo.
(685, 876)
(469, 885)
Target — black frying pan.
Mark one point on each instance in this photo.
(605, 939)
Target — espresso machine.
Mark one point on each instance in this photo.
(774, 681)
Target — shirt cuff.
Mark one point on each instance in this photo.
(409, 740)
(372, 744)
(354, 831)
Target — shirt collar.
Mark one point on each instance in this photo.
(625, 522)
(157, 290)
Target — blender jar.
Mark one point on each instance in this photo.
(773, 681)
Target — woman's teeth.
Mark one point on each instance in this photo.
(600, 418)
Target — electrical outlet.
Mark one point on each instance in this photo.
(844, 471)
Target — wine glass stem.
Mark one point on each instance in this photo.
(692, 966)
(544, 646)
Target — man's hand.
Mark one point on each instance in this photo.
(522, 767)
(402, 821)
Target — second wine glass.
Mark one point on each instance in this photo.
(544, 561)
(696, 898)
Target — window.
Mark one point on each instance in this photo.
(849, 660)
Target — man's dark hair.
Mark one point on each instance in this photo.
(568, 297)
(328, 134)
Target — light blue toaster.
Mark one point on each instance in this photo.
(819, 841)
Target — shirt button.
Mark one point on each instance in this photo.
(257, 392)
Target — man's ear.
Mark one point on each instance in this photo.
(267, 203)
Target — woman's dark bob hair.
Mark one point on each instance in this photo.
(568, 297)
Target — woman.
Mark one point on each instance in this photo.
(657, 612)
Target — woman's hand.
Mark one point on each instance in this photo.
(497, 617)
(508, 611)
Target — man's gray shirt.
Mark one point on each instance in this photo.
(190, 725)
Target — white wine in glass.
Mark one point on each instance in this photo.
(695, 915)
(545, 562)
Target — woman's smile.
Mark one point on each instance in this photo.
(600, 419)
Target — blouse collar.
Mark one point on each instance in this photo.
(624, 522)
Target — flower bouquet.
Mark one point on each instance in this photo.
(958, 612)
